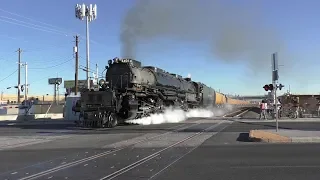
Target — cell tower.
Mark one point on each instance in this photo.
(90, 12)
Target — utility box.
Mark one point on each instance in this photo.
(68, 114)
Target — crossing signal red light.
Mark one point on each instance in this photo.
(270, 87)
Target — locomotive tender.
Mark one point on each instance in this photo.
(132, 91)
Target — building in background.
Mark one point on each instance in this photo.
(82, 84)
(12, 98)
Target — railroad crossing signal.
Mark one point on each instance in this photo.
(268, 87)
(21, 87)
(280, 86)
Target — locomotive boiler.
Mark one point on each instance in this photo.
(131, 91)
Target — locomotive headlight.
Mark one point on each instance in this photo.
(102, 82)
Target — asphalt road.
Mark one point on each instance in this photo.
(197, 149)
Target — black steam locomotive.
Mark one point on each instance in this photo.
(132, 91)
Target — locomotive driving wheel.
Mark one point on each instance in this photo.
(112, 120)
(99, 121)
(104, 119)
(160, 106)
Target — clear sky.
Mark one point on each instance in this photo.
(49, 52)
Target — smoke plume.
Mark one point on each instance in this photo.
(230, 30)
(175, 115)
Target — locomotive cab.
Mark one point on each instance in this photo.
(120, 77)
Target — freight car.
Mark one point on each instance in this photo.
(131, 91)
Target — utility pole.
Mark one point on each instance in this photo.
(19, 68)
(77, 65)
(26, 82)
(25, 86)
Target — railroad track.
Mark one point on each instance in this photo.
(237, 113)
(132, 165)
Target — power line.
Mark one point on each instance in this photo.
(99, 74)
(91, 63)
(22, 16)
(44, 30)
(54, 65)
(13, 38)
(31, 19)
(48, 76)
(52, 60)
(36, 49)
(28, 18)
(8, 76)
(6, 58)
(31, 24)
(56, 46)
(84, 68)
(30, 27)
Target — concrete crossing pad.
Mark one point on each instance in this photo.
(285, 136)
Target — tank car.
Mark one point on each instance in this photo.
(220, 99)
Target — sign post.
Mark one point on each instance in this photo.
(56, 82)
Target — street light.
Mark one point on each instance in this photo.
(90, 12)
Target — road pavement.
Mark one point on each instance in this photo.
(196, 149)
(246, 162)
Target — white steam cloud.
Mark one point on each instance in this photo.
(174, 115)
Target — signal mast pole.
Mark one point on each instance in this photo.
(275, 77)
(276, 104)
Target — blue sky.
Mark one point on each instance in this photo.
(296, 22)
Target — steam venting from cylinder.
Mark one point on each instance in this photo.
(176, 115)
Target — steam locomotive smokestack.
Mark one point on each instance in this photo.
(128, 44)
(230, 30)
